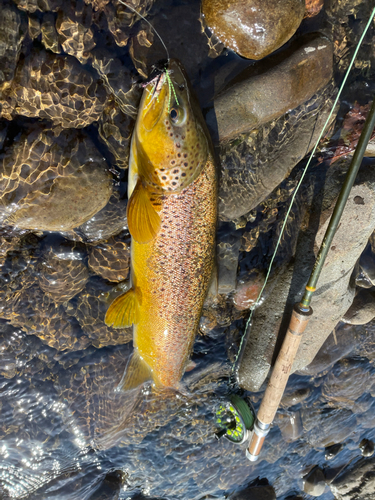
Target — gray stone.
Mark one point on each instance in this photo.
(357, 482)
(314, 483)
(290, 425)
(251, 102)
(362, 310)
(227, 264)
(334, 295)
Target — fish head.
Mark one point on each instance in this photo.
(170, 137)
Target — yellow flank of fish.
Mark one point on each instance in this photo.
(172, 213)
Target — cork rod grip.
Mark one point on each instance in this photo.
(283, 365)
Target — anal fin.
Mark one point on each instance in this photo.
(136, 373)
(123, 311)
(143, 220)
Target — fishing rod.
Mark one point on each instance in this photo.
(302, 311)
(236, 419)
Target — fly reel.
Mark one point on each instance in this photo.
(235, 420)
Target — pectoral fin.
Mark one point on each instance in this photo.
(136, 373)
(123, 311)
(143, 220)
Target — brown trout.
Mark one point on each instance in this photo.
(172, 213)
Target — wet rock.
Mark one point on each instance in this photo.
(250, 103)
(295, 397)
(314, 483)
(345, 383)
(313, 7)
(49, 34)
(115, 130)
(367, 447)
(247, 291)
(61, 279)
(110, 487)
(120, 18)
(39, 5)
(325, 428)
(255, 493)
(357, 481)
(34, 27)
(75, 34)
(13, 28)
(332, 451)
(37, 315)
(111, 259)
(254, 167)
(227, 263)
(290, 425)
(362, 310)
(118, 81)
(52, 183)
(56, 88)
(90, 312)
(109, 221)
(253, 28)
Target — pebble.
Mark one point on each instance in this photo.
(253, 28)
(314, 483)
(313, 7)
(367, 447)
(290, 426)
(333, 450)
(251, 103)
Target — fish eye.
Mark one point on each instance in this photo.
(177, 115)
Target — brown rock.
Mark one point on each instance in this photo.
(362, 310)
(52, 183)
(253, 28)
(56, 88)
(255, 100)
(110, 259)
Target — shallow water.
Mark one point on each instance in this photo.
(64, 428)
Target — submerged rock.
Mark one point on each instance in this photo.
(253, 28)
(314, 483)
(111, 259)
(61, 279)
(56, 88)
(251, 102)
(52, 183)
(13, 28)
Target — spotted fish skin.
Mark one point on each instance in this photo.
(173, 272)
(172, 213)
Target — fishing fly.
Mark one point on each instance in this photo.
(161, 67)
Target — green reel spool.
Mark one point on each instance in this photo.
(235, 419)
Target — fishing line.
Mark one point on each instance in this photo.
(148, 22)
(168, 78)
(299, 185)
